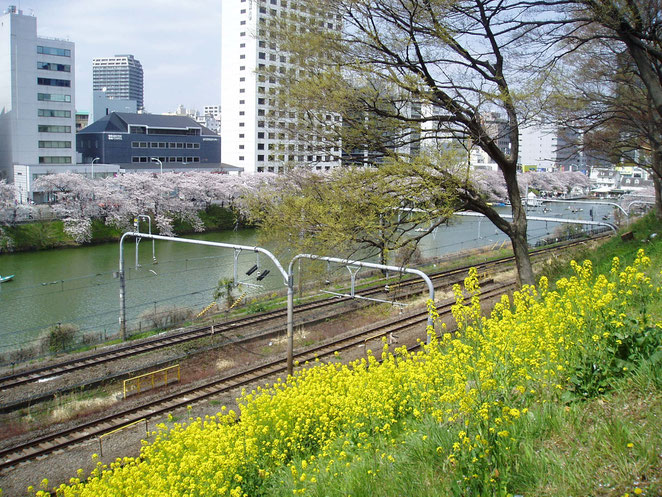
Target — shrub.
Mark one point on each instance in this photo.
(61, 337)
(161, 318)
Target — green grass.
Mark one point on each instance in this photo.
(614, 247)
(39, 236)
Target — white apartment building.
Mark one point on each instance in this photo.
(538, 148)
(252, 137)
(37, 118)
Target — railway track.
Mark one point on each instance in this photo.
(156, 343)
(60, 440)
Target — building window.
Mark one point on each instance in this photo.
(260, 158)
(54, 144)
(48, 128)
(49, 97)
(242, 23)
(241, 147)
(241, 157)
(241, 135)
(53, 113)
(54, 82)
(241, 125)
(54, 160)
(242, 68)
(62, 52)
(242, 56)
(51, 66)
(243, 33)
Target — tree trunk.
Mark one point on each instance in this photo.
(522, 259)
(517, 228)
(657, 183)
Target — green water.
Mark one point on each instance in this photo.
(77, 285)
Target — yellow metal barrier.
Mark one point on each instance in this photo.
(205, 310)
(120, 429)
(236, 302)
(138, 379)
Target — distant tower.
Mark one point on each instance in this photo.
(37, 108)
(120, 77)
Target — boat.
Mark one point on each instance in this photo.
(6, 278)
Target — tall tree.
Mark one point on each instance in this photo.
(601, 96)
(638, 25)
(383, 76)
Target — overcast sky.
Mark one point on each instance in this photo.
(178, 43)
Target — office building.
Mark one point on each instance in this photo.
(253, 136)
(37, 118)
(151, 143)
(102, 105)
(119, 78)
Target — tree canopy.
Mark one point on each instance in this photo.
(390, 81)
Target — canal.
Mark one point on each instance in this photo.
(78, 285)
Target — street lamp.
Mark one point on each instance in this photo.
(154, 159)
(93, 161)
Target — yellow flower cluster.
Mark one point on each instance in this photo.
(478, 381)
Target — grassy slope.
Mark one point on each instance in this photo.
(606, 446)
(50, 234)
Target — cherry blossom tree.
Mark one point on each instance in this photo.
(166, 197)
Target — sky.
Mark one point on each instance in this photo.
(178, 43)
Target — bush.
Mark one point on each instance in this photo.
(161, 318)
(408, 256)
(61, 337)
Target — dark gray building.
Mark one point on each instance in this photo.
(150, 142)
(119, 77)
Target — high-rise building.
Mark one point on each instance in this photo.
(37, 118)
(119, 78)
(256, 135)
